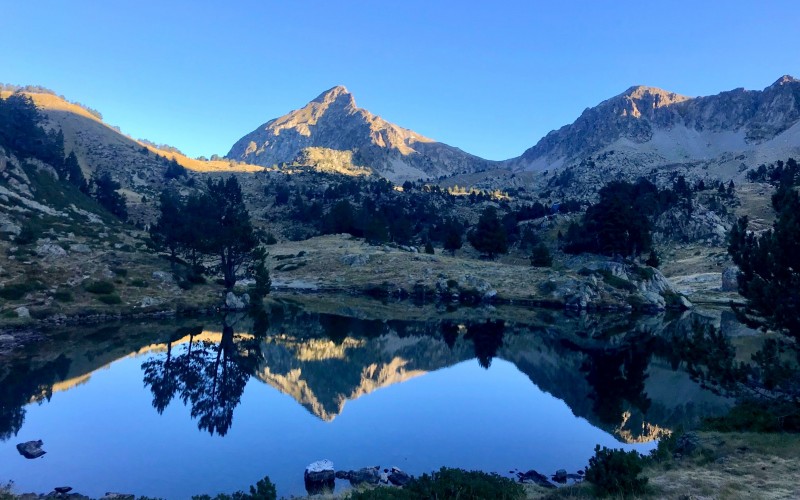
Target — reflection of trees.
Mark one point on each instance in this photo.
(617, 376)
(449, 333)
(21, 385)
(488, 338)
(210, 377)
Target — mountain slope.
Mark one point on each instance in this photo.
(333, 121)
(652, 127)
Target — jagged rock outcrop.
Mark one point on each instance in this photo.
(333, 122)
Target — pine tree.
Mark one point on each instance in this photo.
(73, 173)
(489, 237)
(105, 192)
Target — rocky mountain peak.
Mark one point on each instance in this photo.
(640, 100)
(350, 139)
(337, 95)
(785, 79)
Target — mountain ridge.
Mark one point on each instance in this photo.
(333, 121)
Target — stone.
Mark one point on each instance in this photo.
(355, 260)
(319, 477)
(31, 449)
(80, 248)
(22, 312)
(535, 478)
(149, 302)
(61, 490)
(162, 276)
(118, 496)
(398, 477)
(237, 302)
(6, 338)
(50, 250)
(560, 476)
(368, 475)
(729, 279)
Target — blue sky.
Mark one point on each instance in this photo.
(491, 78)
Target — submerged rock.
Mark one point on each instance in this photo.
(31, 449)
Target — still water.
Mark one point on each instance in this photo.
(207, 406)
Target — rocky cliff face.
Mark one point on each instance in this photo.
(649, 127)
(333, 121)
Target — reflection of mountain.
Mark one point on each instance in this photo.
(646, 397)
(609, 370)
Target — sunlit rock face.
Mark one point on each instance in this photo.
(652, 126)
(333, 133)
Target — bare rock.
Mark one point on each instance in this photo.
(31, 449)
(355, 260)
(729, 279)
(237, 302)
(50, 250)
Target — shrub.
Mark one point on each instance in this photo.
(27, 235)
(119, 271)
(139, 283)
(16, 291)
(614, 472)
(262, 490)
(653, 260)
(63, 296)
(541, 257)
(100, 287)
(458, 483)
(109, 299)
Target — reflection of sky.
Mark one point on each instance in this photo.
(105, 436)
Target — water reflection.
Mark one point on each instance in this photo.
(208, 375)
(619, 373)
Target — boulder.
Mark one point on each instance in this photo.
(560, 476)
(355, 260)
(50, 250)
(535, 478)
(237, 302)
(729, 279)
(149, 302)
(22, 312)
(31, 449)
(398, 477)
(162, 276)
(80, 248)
(319, 477)
(368, 475)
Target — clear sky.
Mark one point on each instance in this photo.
(489, 77)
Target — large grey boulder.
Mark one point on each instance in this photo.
(729, 279)
(51, 251)
(237, 302)
(319, 477)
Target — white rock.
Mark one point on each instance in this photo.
(51, 250)
(22, 312)
(162, 276)
(80, 248)
(320, 466)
